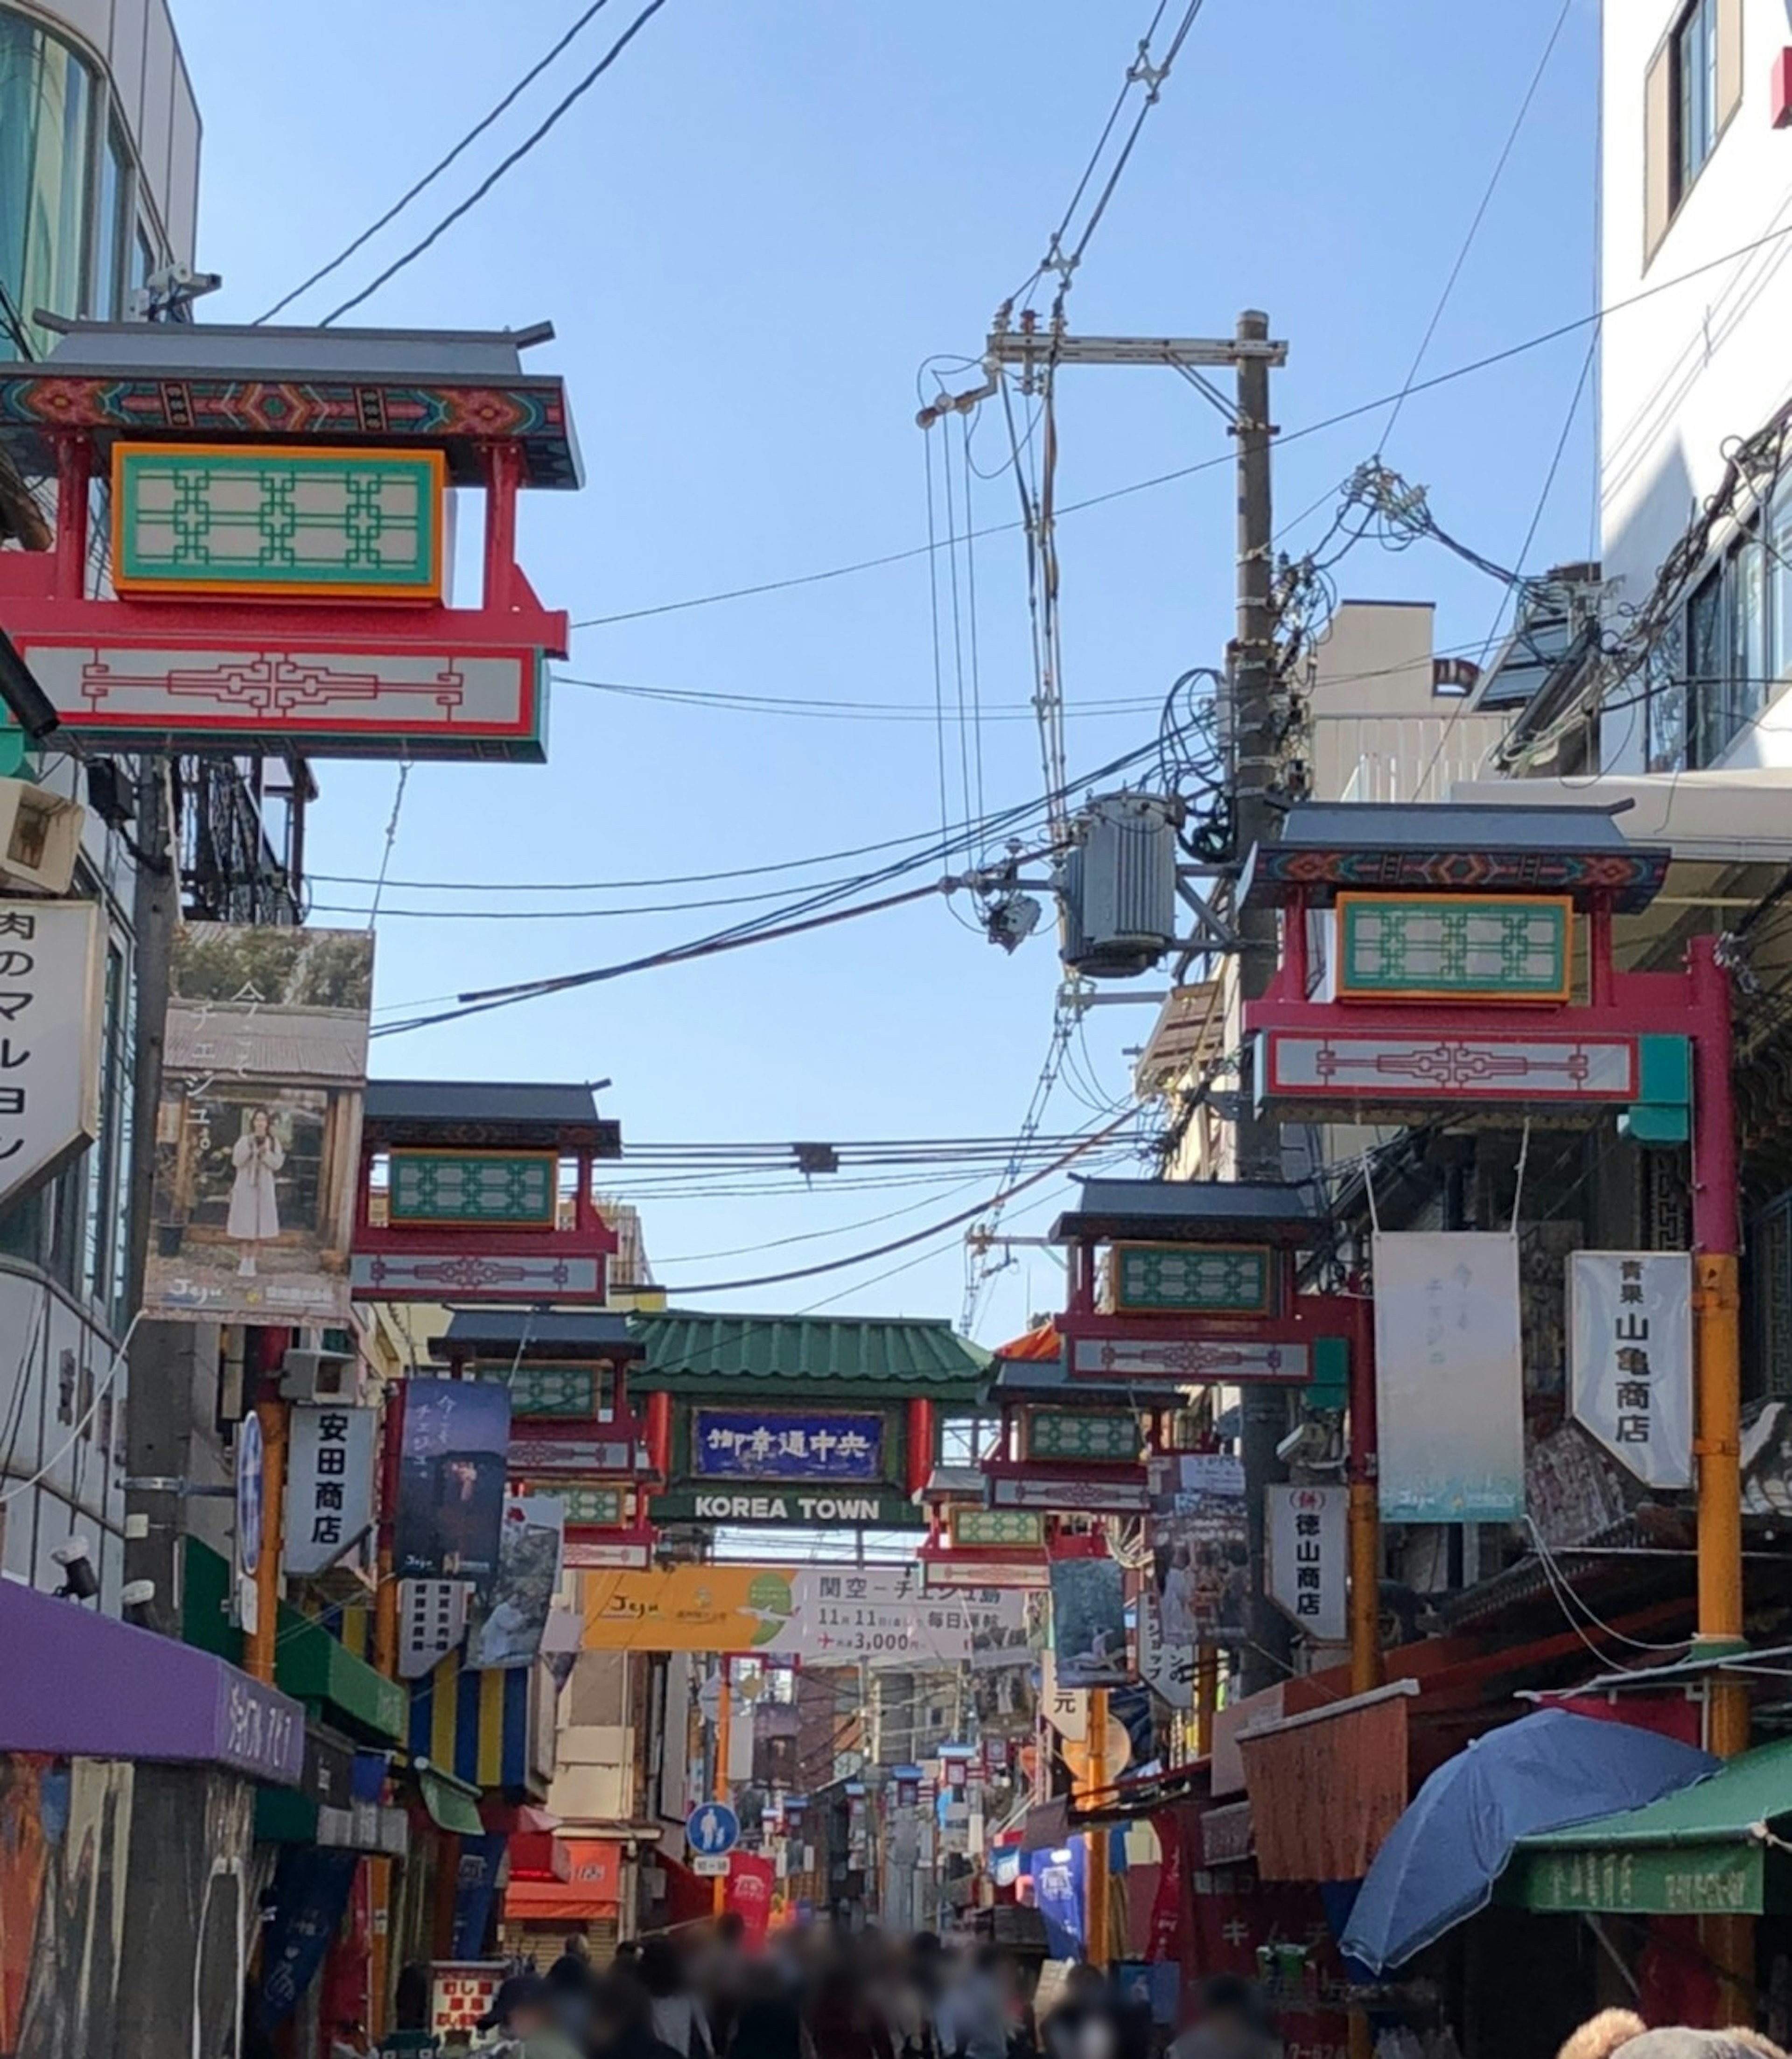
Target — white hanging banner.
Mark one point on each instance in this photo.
(432, 1622)
(1449, 1376)
(1309, 1555)
(329, 1486)
(1630, 1358)
(50, 963)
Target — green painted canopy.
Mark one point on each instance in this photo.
(801, 1357)
(1702, 1850)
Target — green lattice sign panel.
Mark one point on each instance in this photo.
(251, 520)
(518, 1187)
(1109, 1438)
(996, 1529)
(1462, 947)
(556, 1390)
(597, 1508)
(1205, 1279)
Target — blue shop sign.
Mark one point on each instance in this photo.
(768, 1444)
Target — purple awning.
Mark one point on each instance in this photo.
(89, 1686)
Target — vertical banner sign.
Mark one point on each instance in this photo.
(1309, 1557)
(432, 1622)
(1449, 1376)
(329, 1485)
(453, 1458)
(258, 1133)
(506, 1630)
(49, 1026)
(1630, 1358)
(1089, 1623)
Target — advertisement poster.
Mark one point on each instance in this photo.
(1630, 1358)
(1198, 1559)
(1449, 1376)
(770, 1444)
(1089, 1623)
(452, 1456)
(507, 1629)
(879, 1615)
(258, 1132)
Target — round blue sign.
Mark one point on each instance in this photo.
(250, 1513)
(711, 1828)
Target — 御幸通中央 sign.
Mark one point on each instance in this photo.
(1308, 1554)
(329, 1485)
(1449, 947)
(1630, 1358)
(756, 1444)
(49, 1020)
(432, 1188)
(277, 522)
(1205, 1279)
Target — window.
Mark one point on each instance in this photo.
(47, 98)
(1694, 85)
(111, 220)
(965, 1440)
(1695, 78)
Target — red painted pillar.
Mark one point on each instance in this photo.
(504, 470)
(659, 1433)
(74, 469)
(921, 1444)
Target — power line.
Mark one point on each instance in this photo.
(1468, 370)
(1479, 217)
(441, 166)
(504, 165)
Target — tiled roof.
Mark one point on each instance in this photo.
(879, 1357)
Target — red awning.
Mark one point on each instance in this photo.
(589, 1892)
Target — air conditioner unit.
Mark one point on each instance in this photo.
(40, 838)
(319, 1375)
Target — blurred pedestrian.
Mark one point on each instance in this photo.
(1234, 2023)
(521, 2024)
(677, 2020)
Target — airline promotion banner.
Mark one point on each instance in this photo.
(824, 1615)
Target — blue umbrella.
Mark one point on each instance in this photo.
(1542, 1773)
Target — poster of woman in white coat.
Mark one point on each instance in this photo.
(254, 1217)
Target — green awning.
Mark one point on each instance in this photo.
(452, 1805)
(315, 1668)
(1708, 1849)
(860, 1358)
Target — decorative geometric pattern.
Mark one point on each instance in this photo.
(473, 1187)
(1119, 1494)
(995, 1529)
(462, 701)
(457, 1276)
(1634, 878)
(229, 519)
(1189, 1361)
(1387, 1071)
(1212, 1278)
(531, 414)
(597, 1507)
(1107, 1437)
(554, 1390)
(1474, 948)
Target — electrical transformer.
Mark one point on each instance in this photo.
(1117, 886)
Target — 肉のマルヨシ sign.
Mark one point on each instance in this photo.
(50, 962)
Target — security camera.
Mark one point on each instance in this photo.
(79, 1581)
(137, 1594)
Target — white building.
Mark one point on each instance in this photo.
(1698, 165)
(99, 159)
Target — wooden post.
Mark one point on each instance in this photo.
(1096, 1895)
(724, 1735)
(259, 1648)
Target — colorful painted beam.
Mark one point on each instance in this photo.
(461, 1275)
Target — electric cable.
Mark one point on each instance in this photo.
(504, 165)
(441, 166)
(1489, 362)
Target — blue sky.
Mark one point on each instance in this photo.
(749, 236)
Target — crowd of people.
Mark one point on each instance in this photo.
(865, 1996)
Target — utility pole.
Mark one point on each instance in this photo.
(1251, 695)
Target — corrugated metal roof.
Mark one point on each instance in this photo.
(1202, 1208)
(688, 1349)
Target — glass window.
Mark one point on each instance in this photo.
(1748, 619)
(111, 218)
(46, 112)
(965, 1440)
(1779, 531)
(1696, 68)
(1665, 682)
(1707, 666)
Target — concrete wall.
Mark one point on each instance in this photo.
(1700, 364)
